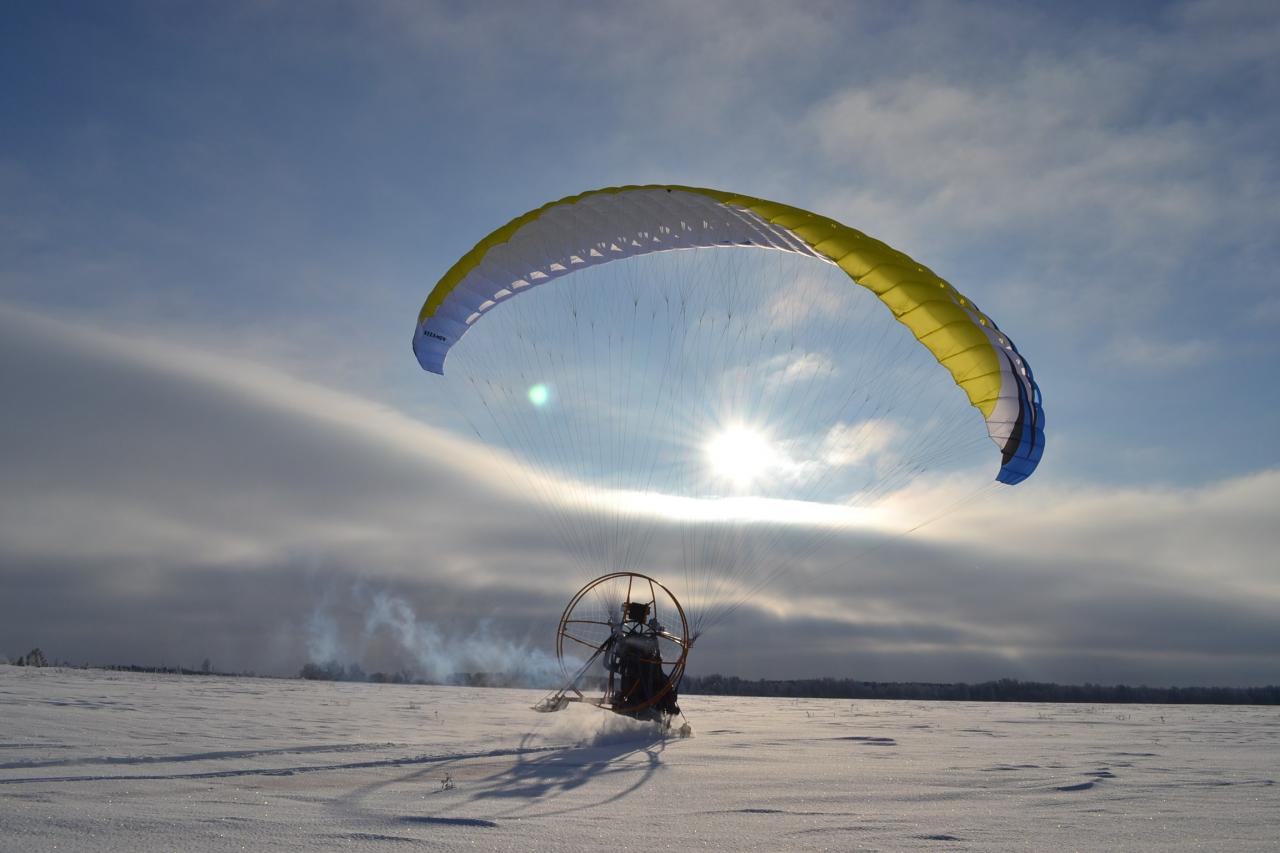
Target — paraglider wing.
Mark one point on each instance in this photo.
(611, 224)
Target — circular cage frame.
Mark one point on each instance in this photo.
(683, 641)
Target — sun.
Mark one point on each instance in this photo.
(740, 455)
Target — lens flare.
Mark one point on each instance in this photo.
(539, 395)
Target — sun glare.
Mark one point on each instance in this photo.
(740, 455)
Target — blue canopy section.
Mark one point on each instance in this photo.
(1026, 444)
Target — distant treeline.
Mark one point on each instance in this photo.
(1004, 690)
(335, 671)
(175, 670)
(36, 658)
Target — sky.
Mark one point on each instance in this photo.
(218, 222)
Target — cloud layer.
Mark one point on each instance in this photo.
(163, 504)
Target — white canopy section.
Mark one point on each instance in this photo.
(592, 230)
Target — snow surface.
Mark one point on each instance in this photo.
(94, 760)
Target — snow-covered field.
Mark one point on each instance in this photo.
(94, 760)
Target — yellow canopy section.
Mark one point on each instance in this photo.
(936, 313)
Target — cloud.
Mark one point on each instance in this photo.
(1092, 181)
(160, 498)
(123, 448)
(854, 443)
(1209, 540)
(1266, 312)
(1055, 149)
(788, 368)
(1162, 355)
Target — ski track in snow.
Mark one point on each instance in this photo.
(124, 761)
